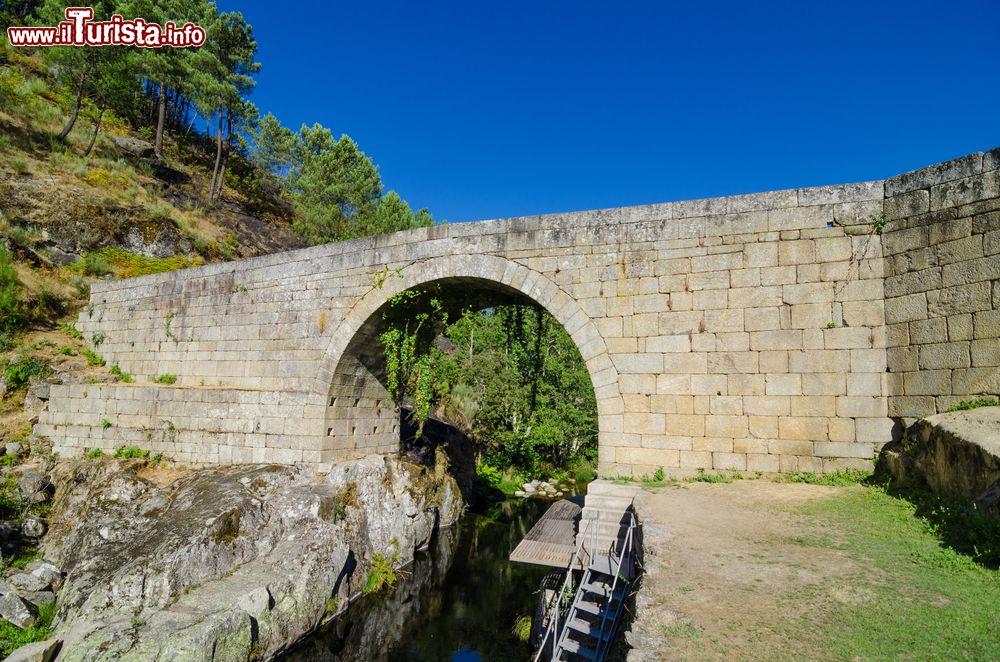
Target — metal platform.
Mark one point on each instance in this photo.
(552, 540)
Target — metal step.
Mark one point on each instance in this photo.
(587, 628)
(603, 590)
(606, 566)
(575, 647)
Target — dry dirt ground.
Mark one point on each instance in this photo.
(730, 569)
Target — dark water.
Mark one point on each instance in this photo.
(460, 603)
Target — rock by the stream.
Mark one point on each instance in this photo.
(227, 561)
(14, 610)
(39, 651)
(956, 454)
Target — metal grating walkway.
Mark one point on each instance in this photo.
(552, 540)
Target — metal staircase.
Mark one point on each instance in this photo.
(584, 614)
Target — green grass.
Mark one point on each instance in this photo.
(522, 628)
(12, 638)
(165, 379)
(382, 575)
(128, 265)
(121, 374)
(683, 630)
(702, 477)
(837, 479)
(93, 358)
(927, 601)
(94, 454)
(131, 452)
(973, 404)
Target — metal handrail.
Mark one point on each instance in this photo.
(553, 627)
(625, 551)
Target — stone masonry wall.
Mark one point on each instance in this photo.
(942, 285)
(746, 332)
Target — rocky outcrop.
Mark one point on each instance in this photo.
(957, 454)
(229, 563)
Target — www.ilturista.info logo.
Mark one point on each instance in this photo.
(79, 30)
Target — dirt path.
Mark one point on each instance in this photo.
(731, 569)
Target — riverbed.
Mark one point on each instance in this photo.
(458, 601)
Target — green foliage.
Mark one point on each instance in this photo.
(522, 628)
(131, 452)
(19, 166)
(129, 265)
(878, 224)
(94, 454)
(12, 637)
(95, 265)
(382, 574)
(160, 212)
(702, 477)
(836, 479)
(489, 475)
(65, 350)
(121, 374)
(71, 331)
(965, 405)
(93, 359)
(18, 371)
(831, 325)
(105, 423)
(11, 310)
(165, 379)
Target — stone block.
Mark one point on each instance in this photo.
(944, 355)
(638, 363)
(965, 191)
(906, 308)
(778, 275)
(960, 250)
(712, 444)
(864, 384)
(762, 462)
(668, 344)
(834, 249)
(749, 445)
(726, 426)
(761, 319)
(976, 381)
(985, 353)
(876, 430)
(776, 340)
(766, 405)
(907, 204)
(935, 174)
(763, 427)
(802, 428)
(932, 330)
(772, 361)
(685, 425)
(971, 271)
(811, 315)
(814, 405)
(723, 321)
(844, 449)
(861, 406)
(695, 459)
(841, 429)
(810, 361)
(802, 251)
(709, 384)
(824, 384)
(969, 298)
(787, 384)
(760, 255)
(729, 461)
(790, 447)
(863, 313)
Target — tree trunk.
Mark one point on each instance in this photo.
(218, 159)
(97, 127)
(225, 157)
(161, 115)
(76, 108)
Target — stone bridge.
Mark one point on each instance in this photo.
(780, 331)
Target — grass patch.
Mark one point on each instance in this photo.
(165, 379)
(130, 452)
(683, 630)
(129, 265)
(121, 374)
(965, 405)
(93, 359)
(18, 371)
(522, 628)
(925, 599)
(382, 574)
(841, 478)
(12, 638)
(94, 454)
(702, 477)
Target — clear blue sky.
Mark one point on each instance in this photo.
(492, 109)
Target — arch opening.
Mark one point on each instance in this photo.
(362, 417)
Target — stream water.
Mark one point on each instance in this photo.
(459, 601)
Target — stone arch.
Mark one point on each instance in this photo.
(347, 387)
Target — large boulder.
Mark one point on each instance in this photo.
(226, 562)
(39, 651)
(14, 610)
(957, 454)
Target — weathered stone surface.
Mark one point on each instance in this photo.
(957, 454)
(233, 560)
(39, 651)
(14, 610)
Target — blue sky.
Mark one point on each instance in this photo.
(484, 110)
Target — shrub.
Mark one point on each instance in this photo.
(11, 313)
(98, 177)
(382, 575)
(121, 374)
(18, 371)
(522, 628)
(70, 330)
(165, 379)
(94, 454)
(160, 212)
(93, 358)
(20, 166)
(131, 452)
(95, 265)
(489, 475)
(965, 405)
